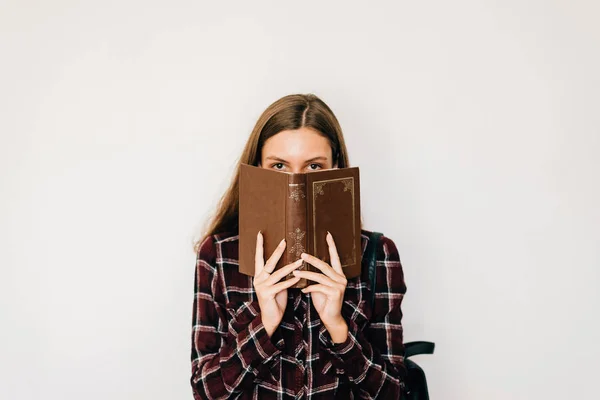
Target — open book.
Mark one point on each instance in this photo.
(300, 207)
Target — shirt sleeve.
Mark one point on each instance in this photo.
(372, 357)
(225, 353)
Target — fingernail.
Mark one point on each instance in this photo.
(294, 272)
(303, 255)
(282, 241)
(328, 233)
(299, 261)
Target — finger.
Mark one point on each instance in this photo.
(315, 276)
(272, 261)
(333, 254)
(327, 290)
(280, 273)
(259, 261)
(283, 285)
(323, 267)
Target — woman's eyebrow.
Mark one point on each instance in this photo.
(282, 160)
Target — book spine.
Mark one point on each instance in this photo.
(296, 223)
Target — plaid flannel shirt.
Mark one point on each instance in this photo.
(233, 356)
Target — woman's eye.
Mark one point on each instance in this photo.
(279, 166)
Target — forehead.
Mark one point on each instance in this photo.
(299, 143)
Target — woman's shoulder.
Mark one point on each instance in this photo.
(219, 246)
(390, 275)
(385, 247)
(218, 253)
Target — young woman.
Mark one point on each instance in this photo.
(252, 338)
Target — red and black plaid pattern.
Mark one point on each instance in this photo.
(233, 357)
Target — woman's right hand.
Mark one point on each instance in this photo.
(272, 296)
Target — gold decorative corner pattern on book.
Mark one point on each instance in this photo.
(318, 187)
(348, 185)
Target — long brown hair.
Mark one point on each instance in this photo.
(290, 112)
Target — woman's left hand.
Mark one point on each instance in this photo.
(328, 294)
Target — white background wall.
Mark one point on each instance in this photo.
(476, 125)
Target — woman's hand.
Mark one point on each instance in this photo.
(328, 295)
(272, 296)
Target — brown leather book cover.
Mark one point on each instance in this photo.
(300, 207)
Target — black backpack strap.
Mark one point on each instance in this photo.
(371, 255)
(416, 382)
(415, 348)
